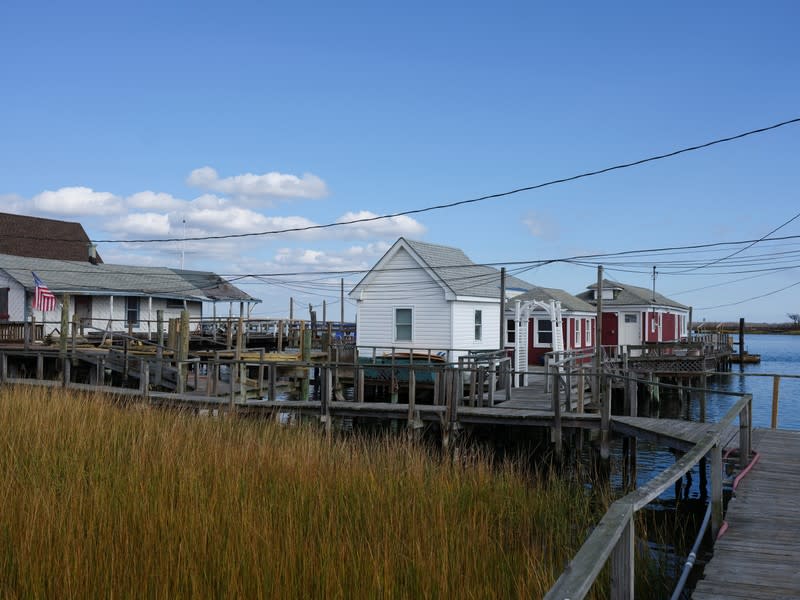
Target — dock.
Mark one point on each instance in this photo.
(759, 554)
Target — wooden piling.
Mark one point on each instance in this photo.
(556, 434)
(776, 384)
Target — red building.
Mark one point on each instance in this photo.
(547, 314)
(634, 315)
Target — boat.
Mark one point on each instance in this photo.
(747, 358)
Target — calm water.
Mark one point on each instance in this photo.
(780, 354)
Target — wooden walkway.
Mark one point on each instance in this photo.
(759, 555)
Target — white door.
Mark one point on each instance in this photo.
(630, 329)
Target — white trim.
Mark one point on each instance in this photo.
(394, 323)
(578, 332)
(587, 334)
(536, 320)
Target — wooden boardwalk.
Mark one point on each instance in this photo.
(759, 555)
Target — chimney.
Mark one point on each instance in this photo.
(92, 253)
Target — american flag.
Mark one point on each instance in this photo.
(43, 298)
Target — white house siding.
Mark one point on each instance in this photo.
(401, 283)
(464, 325)
(101, 313)
(16, 298)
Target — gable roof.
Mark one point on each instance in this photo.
(626, 295)
(568, 301)
(84, 278)
(43, 238)
(453, 269)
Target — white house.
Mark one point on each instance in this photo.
(105, 295)
(422, 296)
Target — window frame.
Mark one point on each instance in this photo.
(587, 334)
(578, 336)
(511, 331)
(478, 322)
(537, 332)
(135, 309)
(396, 324)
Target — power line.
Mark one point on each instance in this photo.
(740, 250)
(772, 293)
(462, 202)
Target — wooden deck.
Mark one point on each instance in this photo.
(759, 555)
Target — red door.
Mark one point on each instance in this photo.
(610, 336)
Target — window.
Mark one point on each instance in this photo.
(589, 327)
(132, 310)
(544, 332)
(478, 324)
(174, 303)
(631, 318)
(511, 331)
(403, 320)
(578, 323)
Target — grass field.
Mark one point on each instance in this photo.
(98, 500)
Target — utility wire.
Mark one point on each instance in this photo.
(463, 202)
(740, 250)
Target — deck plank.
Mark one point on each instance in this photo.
(759, 556)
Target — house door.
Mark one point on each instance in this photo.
(609, 337)
(629, 329)
(83, 310)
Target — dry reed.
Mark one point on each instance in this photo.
(101, 501)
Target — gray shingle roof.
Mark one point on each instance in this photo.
(121, 280)
(568, 301)
(625, 295)
(460, 274)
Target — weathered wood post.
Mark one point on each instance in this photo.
(412, 398)
(598, 337)
(716, 490)
(63, 338)
(144, 380)
(279, 342)
(183, 350)
(3, 366)
(776, 384)
(745, 424)
(741, 341)
(260, 371)
(581, 391)
(492, 380)
(556, 434)
(605, 420)
(622, 561)
(305, 357)
(325, 405)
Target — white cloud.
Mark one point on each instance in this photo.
(391, 227)
(161, 201)
(540, 226)
(265, 186)
(12, 203)
(142, 224)
(77, 201)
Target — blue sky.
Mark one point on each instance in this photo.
(252, 116)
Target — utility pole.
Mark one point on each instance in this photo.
(502, 307)
(341, 301)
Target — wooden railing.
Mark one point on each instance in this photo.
(613, 538)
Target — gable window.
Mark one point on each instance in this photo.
(511, 331)
(132, 310)
(578, 323)
(478, 324)
(544, 333)
(403, 321)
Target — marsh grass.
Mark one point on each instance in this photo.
(98, 500)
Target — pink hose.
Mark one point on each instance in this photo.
(724, 527)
